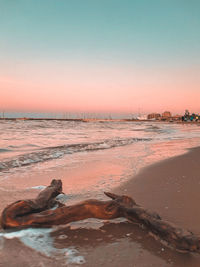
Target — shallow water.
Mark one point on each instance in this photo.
(24, 143)
(88, 156)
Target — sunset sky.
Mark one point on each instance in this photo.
(100, 55)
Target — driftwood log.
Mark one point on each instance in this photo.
(38, 213)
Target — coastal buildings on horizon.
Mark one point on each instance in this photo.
(165, 115)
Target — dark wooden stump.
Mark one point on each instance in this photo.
(37, 213)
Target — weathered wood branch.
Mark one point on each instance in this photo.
(37, 213)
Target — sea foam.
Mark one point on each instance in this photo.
(41, 241)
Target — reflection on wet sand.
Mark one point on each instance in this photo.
(113, 244)
(133, 245)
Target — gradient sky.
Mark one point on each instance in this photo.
(100, 55)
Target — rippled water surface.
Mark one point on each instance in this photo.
(28, 142)
(89, 156)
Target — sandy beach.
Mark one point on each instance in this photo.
(99, 107)
(170, 187)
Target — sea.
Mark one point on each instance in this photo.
(26, 145)
(89, 156)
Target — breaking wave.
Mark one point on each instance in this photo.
(50, 153)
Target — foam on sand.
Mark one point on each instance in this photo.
(42, 241)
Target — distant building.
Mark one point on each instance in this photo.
(153, 116)
(177, 117)
(166, 114)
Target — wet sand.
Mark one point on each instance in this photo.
(170, 187)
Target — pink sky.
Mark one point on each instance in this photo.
(75, 87)
(99, 56)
